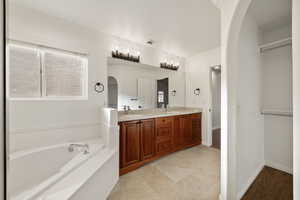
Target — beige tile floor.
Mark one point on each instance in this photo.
(191, 174)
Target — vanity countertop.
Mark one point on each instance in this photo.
(155, 113)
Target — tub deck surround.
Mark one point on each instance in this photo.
(155, 113)
(54, 172)
(29, 185)
(148, 135)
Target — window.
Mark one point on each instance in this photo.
(41, 73)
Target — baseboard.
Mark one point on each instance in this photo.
(250, 181)
(221, 197)
(207, 144)
(279, 167)
(216, 128)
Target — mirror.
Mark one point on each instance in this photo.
(141, 86)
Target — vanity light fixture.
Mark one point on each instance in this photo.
(171, 66)
(126, 56)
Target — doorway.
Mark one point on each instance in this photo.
(112, 92)
(215, 83)
(162, 92)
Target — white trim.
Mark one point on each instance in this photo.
(206, 144)
(50, 128)
(36, 46)
(216, 128)
(278, 166)
(75, 98)
(221, 197)
(251, 179)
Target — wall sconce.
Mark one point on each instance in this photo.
(197, 91)
(126, 56)
(166, 65)
(173, 92)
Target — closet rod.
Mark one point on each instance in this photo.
(277, 113)
(276, 44)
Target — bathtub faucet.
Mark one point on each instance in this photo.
(80, 147)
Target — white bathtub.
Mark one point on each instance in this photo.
(33, 173)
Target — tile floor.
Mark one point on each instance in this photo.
(191, 174)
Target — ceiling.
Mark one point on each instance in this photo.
(271, 14)
(180, 27)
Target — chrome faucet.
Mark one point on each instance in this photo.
(166, 106)
(80, 147)
(126, 109)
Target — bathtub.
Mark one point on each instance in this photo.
(34, 173)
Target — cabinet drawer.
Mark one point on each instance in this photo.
(197, 115)
(164, 129)
(164, 121)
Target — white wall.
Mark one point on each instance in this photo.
(59, 121)
(128, 76)
(198, 76)
(250, 123)
(277, 95)
(216, 99)
(296, 96)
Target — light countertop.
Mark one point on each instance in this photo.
(155, 113)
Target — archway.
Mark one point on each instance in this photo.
(112, 92)
(233, 19)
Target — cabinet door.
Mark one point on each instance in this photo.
(178, 139)
(196, 128)
(130, 143)
(148, 139)
(186, 129)
(164, 135)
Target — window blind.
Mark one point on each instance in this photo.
(64, 75)
(24, 72)
(36, 72)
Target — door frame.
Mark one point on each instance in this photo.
(3, 123)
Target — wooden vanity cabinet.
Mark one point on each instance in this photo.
(142, 141)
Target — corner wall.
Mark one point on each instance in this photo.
(277, 95)
(198, 76)
(250, 122)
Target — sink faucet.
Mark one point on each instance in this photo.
(166, 106)
(81, 147)
(126, 109)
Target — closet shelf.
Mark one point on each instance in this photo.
(276, 44)
(284, 113)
